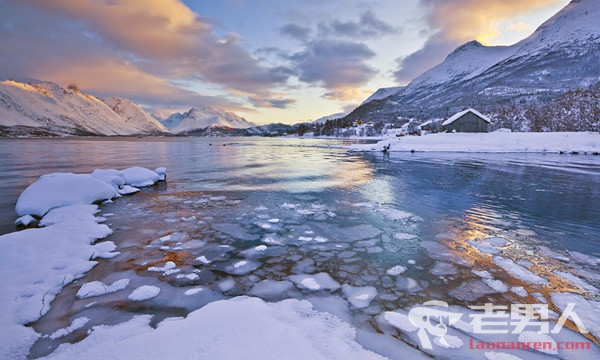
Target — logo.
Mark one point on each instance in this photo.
(493, 320)
(421, 318)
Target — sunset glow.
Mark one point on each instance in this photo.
(265, 60)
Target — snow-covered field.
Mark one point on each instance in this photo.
(316, 311)
(495, 142)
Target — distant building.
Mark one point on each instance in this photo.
(467, 121)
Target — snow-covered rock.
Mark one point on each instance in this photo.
(62, 189)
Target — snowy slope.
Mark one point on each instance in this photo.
(382, 93)
(205, 117)
(134, 115)
(466, 62)
(562, 54)
(323, 119)
(63, 111)
(576, 24)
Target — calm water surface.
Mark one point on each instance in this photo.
(553, 194)
(317, 208)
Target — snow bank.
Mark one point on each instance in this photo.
(61, 189)
(36, 263)
(496, 142)
(239, 328)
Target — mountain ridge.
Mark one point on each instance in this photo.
(43, 108)
(562, 54)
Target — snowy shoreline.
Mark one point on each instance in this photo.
(496, 142)
(38, 262)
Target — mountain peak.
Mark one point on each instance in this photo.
(473, 44)
(202, 117)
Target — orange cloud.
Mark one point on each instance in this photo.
(348, 94)
(106, 77)
(154, 28)
(465, 20)
(146, 45)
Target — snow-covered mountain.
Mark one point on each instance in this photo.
(205, 117)
(323, 119)
(382, 93)
(134, 115)
(562, 54)
(45, 108)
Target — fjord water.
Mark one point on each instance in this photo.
(554, 195)
(239, 216)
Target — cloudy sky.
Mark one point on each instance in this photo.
(267, 60)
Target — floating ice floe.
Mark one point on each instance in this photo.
(226, 285)
(194, 291)
(271, 289)
(439, 251)
(471, 291)
(519, 271)
(584, 258)
(242, 267)
(75, 325)
(441, 268)
(97, 288)
(587, 311)
(482, 274)
(353, 233)
(407, 284)
(404, 236)
(289, 206)
(496, 285)
(167, 269)
(235, 230)
(144, 292)
(519, 290)
(576, 280)
(545, 251)
(396, 270)
(359, 297)
(190, 276)
(393, 214)
(315, 282)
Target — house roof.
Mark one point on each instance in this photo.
(460, 114)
